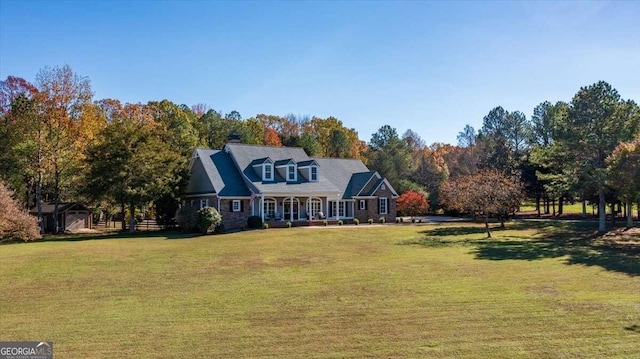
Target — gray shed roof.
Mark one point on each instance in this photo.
(48, 208)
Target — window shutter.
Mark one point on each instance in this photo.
(231, 206)
(241, 206)
(365, 204)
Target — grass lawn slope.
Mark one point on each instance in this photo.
(536, 290)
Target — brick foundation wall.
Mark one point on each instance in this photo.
(232, 219)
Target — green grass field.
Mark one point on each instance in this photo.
(572, 208)
(394, 291)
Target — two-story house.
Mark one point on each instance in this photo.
(285, 184)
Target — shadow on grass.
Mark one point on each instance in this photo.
(577, 241)
(168, 234)
(454, 231)
(633, 328)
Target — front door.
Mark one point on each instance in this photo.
(289, 207)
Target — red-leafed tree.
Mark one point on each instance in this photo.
(412, 203)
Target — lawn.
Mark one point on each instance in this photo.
(572, 208)
(396, 291)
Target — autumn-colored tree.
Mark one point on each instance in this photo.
(431, 171)
(19, 129)
(271, 138)
(489, 192)
(199, 109)
(15, 223)
(623, 167)
(63, 99)
(252, 131)
(330, 132)
(412, 203)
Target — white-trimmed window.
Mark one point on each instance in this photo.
(269, 208)
(313, 173)
(383, 205)
(338, 208)
(383, 187)
(236, 205)
(363, 204)
(291, 173)
(204, 203)
(267, 172)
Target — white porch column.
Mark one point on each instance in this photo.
(309, 218)
(291, 208)
(338, 208)
(262, 207)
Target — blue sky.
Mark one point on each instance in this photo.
(427, 66)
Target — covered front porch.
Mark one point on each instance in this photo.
(298, 208)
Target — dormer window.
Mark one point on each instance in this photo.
(313, 173)
(291, 173)
(267, 172)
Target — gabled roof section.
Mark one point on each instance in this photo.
(286, 162)
(243, 156)
(261, 161)
(357, 183)
(370, 184)
(340, 171)
(220, 172)
(377, 185)
(307, 163)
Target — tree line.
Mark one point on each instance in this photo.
(58, 143)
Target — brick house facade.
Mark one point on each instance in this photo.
(283, 184)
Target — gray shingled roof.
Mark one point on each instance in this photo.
(244, 156)
(340, 177)
(222, 172)
(357, 182)
(340, 172)
(306, 163)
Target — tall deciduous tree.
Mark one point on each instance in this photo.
(64, 96)
(430, 173)
(132, 165)
(19, 128)
(624, 173)
(467, 137)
